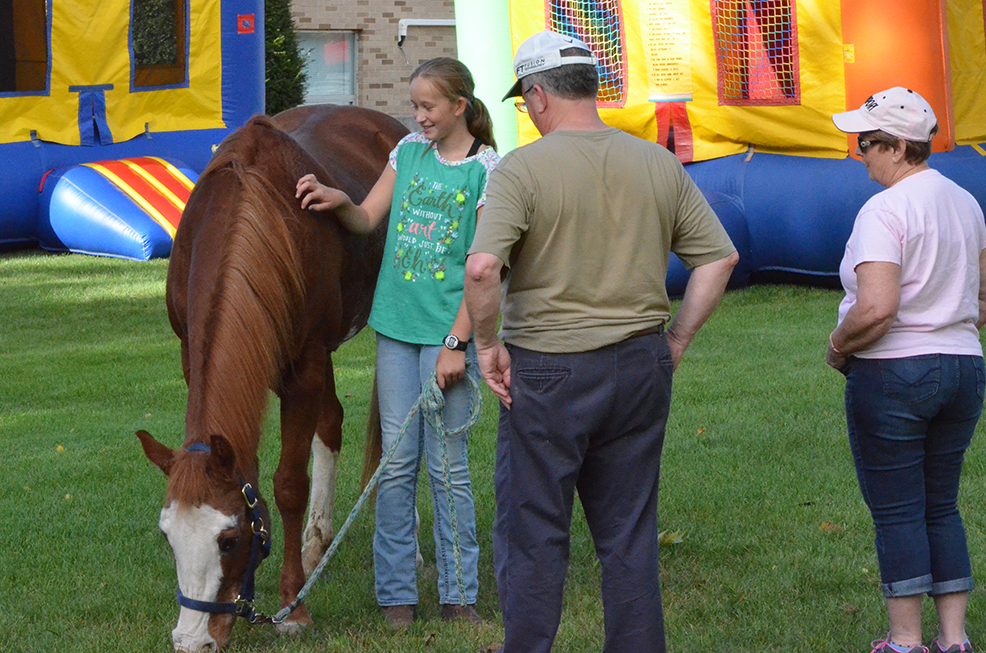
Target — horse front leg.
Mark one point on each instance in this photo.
(301, 398)
(325, 463)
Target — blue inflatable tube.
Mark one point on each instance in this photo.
(790, 217)
(85, 213)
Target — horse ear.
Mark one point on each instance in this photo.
(222, 460)
(156, 452)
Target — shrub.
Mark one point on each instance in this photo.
(285, 81)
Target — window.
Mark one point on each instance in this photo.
(756, 45)
(24, 53)
(330, 66)
(158, 42)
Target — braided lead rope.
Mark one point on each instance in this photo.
(434, 416)
(431, 403)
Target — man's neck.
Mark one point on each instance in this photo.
(575, 115)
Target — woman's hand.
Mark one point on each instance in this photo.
(450, 367)
(319, 197)
(835, 359)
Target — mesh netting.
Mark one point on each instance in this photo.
(599, 23)
(756, 52)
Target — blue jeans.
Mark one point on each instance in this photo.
(592, 422)
(910, 421)
(402, 370)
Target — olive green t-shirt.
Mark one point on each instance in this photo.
(583, 222)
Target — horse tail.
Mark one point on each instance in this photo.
(373, 449)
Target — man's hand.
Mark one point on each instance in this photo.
(676, 345)
(494, 365)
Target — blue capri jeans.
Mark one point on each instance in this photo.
(910, 421)
(402, 370)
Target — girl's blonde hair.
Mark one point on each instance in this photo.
(453, 80)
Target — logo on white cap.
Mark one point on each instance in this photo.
(543, 52)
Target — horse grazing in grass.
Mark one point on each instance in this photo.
(260, 293)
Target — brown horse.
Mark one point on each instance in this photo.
(260, 293)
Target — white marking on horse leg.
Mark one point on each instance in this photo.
(192, 533)
(319, 531)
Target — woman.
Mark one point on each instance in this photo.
(433, 190)
(914, 273)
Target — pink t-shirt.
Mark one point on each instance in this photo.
(934, 230)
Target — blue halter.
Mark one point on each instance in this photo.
(259, 549)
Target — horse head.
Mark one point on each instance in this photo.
(216, 524)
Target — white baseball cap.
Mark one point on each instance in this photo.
(898, 111)
(543, 52)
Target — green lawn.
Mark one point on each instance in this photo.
(776, 551)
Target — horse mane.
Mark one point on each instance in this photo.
(258, 285)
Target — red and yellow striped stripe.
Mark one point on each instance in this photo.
(155, 185)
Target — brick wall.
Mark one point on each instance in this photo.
(383, 69)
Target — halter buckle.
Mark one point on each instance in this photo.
(249, 496)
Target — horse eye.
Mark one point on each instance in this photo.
(227, 544)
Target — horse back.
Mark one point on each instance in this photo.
(351, 144)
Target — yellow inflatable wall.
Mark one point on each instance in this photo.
(720, 77)
(91, 59)
(967, 58)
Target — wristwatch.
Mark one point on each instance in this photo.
(453, 343)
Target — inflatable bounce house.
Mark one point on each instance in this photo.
(743, 92)
(109, 109)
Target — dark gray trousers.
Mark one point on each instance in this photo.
(592, 421)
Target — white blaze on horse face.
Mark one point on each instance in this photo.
(318, 532)
(192, 533)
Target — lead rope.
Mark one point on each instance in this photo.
(431, 403)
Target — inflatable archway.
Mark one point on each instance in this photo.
(78, 86)
(743, 91)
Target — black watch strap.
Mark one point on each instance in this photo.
(452, 342)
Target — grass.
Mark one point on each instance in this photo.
(776, 550)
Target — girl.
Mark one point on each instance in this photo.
(433, 190)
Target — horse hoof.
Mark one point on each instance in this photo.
(311, 555)
(316, 543)
(292, 628)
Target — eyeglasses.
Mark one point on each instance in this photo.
(521, 105)
(864, 145)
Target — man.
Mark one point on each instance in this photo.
(581, 223)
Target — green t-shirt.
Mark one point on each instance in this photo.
(432, 223)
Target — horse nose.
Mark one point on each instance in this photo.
(186, 643)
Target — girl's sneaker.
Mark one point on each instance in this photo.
(954, 648)
(883, 646)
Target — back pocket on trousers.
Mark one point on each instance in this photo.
(911, 380)
(544, 379)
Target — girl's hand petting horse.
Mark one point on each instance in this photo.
(319, 197)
